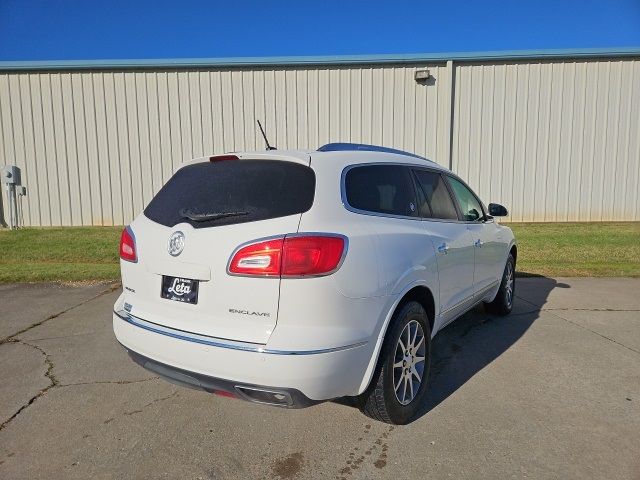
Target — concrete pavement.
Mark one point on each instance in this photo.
(551, 391)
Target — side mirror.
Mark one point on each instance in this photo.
(497, 210)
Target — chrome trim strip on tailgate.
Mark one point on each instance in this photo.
(222, 343)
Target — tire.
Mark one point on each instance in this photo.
(381, 401)
(503, 303)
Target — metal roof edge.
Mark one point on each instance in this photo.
(230, 62)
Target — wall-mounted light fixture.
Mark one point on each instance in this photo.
(422, 76)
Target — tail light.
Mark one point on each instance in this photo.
(260, 258)
(128, 246)
(290, 256)
(311, 255)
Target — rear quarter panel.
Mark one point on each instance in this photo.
(386, 257)
(342, 308)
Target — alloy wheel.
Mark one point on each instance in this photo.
(409, 362)
(509, 281)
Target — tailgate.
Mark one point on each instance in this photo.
(227, 307)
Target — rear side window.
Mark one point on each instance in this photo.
(435, 201)
(381, 189)
(233, 191)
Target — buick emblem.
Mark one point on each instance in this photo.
(176, 244)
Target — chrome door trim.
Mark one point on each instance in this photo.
(470, 299)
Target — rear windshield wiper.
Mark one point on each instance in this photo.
(203, 217)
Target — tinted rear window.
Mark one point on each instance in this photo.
(382, 189)
(245, 190)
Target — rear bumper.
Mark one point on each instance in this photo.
(281, 397)
(300, 378)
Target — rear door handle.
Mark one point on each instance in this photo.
(478, 243)
(444, 249)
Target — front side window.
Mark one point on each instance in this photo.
(386, 189)
(434, 201)
(467, 201)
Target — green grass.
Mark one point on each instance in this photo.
(79, 254)
(578, 249)
(71, 254)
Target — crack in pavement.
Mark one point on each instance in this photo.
(107, 382)
(152, 402)
(10, 338)
(71, 335)
(53, 381)
(582, 326)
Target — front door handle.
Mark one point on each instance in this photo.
(478, 243)
(443, 249)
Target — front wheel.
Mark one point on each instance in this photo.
(503, 303)
(400, 380)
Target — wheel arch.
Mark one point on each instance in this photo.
(419, 293)
(424, 297)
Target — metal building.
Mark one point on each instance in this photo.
(553, 135)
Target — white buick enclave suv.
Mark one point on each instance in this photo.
(292, 277)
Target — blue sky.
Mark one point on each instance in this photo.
(95, 29)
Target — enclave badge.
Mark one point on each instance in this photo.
(176, 244)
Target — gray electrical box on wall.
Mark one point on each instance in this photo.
(11, 175)
(11, 178)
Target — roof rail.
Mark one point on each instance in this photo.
(346, 147)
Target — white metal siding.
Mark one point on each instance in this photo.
(551, 140)
(95, 146)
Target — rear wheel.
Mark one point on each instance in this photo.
(503, 303)
(400, 380)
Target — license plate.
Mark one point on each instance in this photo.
(179, 289)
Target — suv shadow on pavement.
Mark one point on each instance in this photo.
(476, 339)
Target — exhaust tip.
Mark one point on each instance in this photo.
(267, 397)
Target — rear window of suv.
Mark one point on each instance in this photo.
(234, 191)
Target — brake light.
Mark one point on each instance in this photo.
(290, 256)
(128, 245)
(311, 255)
(223, 158)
